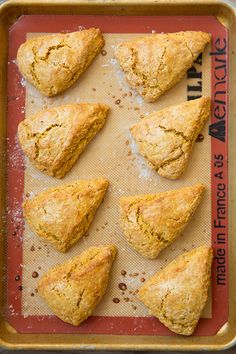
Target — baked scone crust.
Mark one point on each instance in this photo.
(152, 222)
(154, 63)
(178, 293)
(73, 289)
(54, 138)
(166, 138)
(54, 62)
(62, 215)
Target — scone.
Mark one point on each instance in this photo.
(54, 62)
(62, 215)
(166, 138)
(152, 222)
(54, 138)
(73, 289)
(154, 63)
(178, 293)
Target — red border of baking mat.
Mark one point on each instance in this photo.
(218, 130)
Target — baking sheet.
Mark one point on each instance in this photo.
(113, 154)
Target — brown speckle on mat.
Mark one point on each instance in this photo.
(104, 52)
(122, 286)
(35, 274)
(200, 138)
(133, 275)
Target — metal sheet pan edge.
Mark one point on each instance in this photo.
(226, 13)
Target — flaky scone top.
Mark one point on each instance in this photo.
(153, 64)
(152, 222)
(73, 289)
(166, 138)
(62, 215)
(178, 293)
(52, 63)
(54, 138)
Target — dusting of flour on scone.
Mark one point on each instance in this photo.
(73, 289)
(152, 222)
(166, 138)
(62, 215)
(54, 138)
(154, 63)
(178, 293)
(54, 62)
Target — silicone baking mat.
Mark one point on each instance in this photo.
(112, 154)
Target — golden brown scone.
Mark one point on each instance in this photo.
(62, 215)
(73, 289)
(53, 139)
(152, 222)
(178, 293)
(166, 138)
(154, 63)
(54, 62)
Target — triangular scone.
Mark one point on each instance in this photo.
(178, 293)
(62, 215)
(53, 139)
(166, 138)
(154, 63)
(152, 222)
(54, 62)
(73, 289)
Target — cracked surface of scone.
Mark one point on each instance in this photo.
(54, 138)
(62, 215)
(54, 62)
(152, 222)
(154, 63)
(178, 293)
(73, 289)
(166, 138)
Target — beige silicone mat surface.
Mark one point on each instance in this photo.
(112, 154)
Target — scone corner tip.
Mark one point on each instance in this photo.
(205, 99)
(113, 249)
(103, 181)
(105, 107)
(200, 187)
